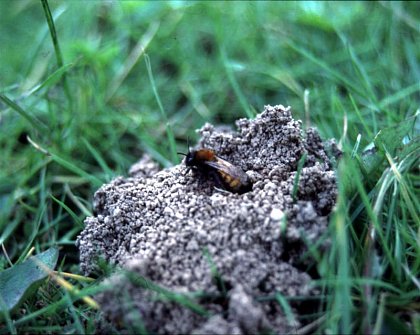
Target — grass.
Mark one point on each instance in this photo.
(80, 101)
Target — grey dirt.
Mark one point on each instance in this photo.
(216, 259)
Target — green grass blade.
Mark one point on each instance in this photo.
(37, 124)
(360, 70)
(169, 133)
(286, 308)
(75, 169)
(57, 50)
(66, 164)
(78, 327)
(362, 120)
(95, 153)
(51, 80)
(132, 59)
(68, 210)
(334, 73)
(342, 291)
(33, 235)
(400, 95)
(51, 25)
(9, 229)
(4, 312)
(235, 85)
(301, 163)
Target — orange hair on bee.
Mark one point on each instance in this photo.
(204, 155)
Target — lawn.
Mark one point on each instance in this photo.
(88, 87)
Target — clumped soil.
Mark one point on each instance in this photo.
(195, 259)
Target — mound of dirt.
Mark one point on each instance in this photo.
(208, 261)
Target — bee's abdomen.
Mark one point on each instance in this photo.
(235, 184)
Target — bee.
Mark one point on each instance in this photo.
(225, 175)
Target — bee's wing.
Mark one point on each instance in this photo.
(223, 167)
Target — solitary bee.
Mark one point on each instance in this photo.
(226, 175)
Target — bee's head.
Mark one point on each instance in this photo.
(189, 156)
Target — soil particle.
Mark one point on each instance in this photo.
(220, 251)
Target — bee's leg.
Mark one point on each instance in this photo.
(219, 185)
(187, 170)
(221, 190)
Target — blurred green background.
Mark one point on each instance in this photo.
(125, 78)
